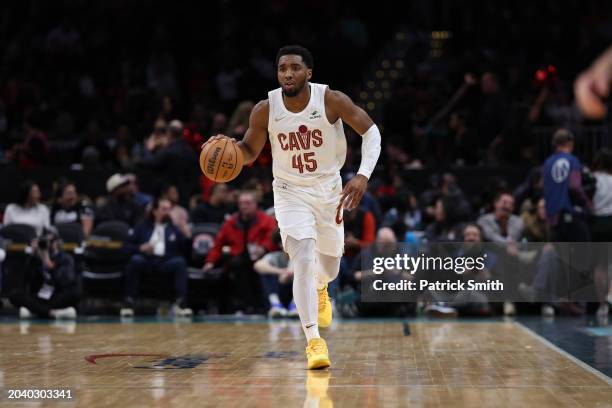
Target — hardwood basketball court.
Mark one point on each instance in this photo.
(260, 364)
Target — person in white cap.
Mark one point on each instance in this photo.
(120, 205)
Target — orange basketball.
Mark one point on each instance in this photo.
(221, 160)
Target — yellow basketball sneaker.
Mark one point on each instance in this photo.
(317, 354)
(325, 308)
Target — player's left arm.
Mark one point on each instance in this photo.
(341, 106)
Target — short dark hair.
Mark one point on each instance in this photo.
(154, 206)
(296, 50)
(24, 191)
(61, 185)
(561, 137)
(603, 161)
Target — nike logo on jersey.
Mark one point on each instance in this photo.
(281, 118)
(314, 115)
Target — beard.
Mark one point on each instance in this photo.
(296, 90)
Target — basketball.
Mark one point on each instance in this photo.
(221, 160)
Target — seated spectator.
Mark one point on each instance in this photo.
(473, 302)
(359, 230)
(120, 205)
(178, 214)
(67, 208)
(385, 246)
(535, 223)
(501, 225)
(444, 186)
(527, 194)
(141, 199)
(276, 276)
(601, 227)
(405, 212)
(248, 234)
(445, 227)
(28, 210)
(48, 287)
(215, 210)
(156, 244)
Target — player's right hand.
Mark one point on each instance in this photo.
(218, 136)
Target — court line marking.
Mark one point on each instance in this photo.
(565, 354)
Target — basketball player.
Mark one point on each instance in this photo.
(304, 122)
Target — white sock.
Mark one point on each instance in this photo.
(273, 298)
(304, 286)
(327, 268)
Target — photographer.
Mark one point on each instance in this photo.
(48, 287)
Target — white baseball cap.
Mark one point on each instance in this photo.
(115, 181)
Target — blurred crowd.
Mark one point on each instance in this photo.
(82, 84)
(228, 234)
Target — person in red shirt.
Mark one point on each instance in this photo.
(248, 234)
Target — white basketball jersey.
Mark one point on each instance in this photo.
(306, 148)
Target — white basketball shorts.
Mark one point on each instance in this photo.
(311, 212)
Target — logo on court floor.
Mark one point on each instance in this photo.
(158, 361)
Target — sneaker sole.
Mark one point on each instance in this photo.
(319, 364)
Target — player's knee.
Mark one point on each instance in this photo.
(329, 265)
(300, 250)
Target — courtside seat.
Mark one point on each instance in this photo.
(204, 288)
(104, 260)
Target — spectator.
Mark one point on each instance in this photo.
(474, 302)
(28, 210)
(405, 212)
(276, 276)
(492, 116)
(175, 162)
(248, 234)
(178, 214)
(444, 186)
(501, 225)
(142, 200)
(543, 259)
(359, 230)
(385, 246)
(48, 287)
(565, 199)
(215, 210)
(527, 194)
(157, 140)
(34, 151)
(120, 205)
(535, 225)
(601, 227)
(67, 208)
(446, 226)
(156, 244)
